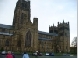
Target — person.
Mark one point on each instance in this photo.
(13, 55)
(9, 55)
(25, 55)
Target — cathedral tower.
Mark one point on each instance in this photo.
(64, 36)
(21, 13)
(63, 31)
(26, 32)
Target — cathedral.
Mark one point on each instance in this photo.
(23, 35)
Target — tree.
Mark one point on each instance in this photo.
(1, 49)
(73, 49)
(74, 42)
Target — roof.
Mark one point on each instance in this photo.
(44, 38)
(6, 26)
(39, 32)
(6, 33)
(46, 33)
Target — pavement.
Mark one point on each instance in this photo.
(20, 56)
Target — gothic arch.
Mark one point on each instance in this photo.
(7, 42)
(19, 41)
(28, 39)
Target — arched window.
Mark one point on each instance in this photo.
(7, 43)
(19, 43)
(19, 40)
(28, 39)
(23, 17)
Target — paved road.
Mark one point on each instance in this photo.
(20, 56)
(2, 56)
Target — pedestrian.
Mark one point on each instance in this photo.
(25, 55)
(9, 55)
(13, 55)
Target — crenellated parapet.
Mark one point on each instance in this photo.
(53, 29)
(59, 27)
(63, 26)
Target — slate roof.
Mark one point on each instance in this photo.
(6, 26)
(44, 38)
(46, 33)
(40, 32)
(6, 33)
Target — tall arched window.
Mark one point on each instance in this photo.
(7, 43)
(23, 17)
(28, 39)
(19, 40)
(19, 43)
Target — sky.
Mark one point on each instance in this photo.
(48, 12)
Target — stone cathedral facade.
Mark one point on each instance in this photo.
(23, 35)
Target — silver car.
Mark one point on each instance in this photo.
(3, 52)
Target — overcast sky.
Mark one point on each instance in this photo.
(47, 12)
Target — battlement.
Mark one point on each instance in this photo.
(52, 27)
(67, 23)
(27, 0)
(24, 0)
(55, 29)
(63, 23)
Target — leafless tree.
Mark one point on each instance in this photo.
(74, 42)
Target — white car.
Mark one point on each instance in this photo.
(47, 54)
(71, 55)
(3, 52)
(35, 53)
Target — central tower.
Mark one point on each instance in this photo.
(21, 13)
(25, 32)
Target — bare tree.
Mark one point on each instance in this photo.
(74, 42)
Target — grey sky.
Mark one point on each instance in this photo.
(47, 11)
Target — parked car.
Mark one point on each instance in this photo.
(51, 54)
(37, 53)
(47, 54)
(3, 53)
(66, 54)
(71, 55)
